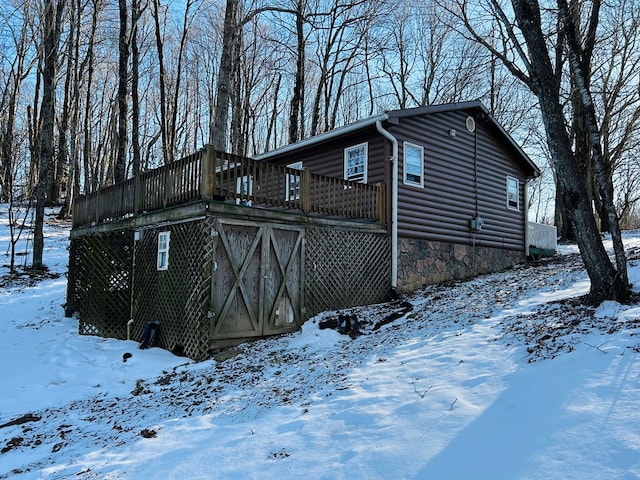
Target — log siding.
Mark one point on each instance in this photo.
(462, 179)
(464, 175)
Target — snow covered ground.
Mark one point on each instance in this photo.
(501, 377)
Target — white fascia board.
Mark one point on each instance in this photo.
(323, 137)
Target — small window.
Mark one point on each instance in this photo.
(163, 250)
(293, 182)
(413, 164)
(244, 190)
(355, 163)
(513, 193)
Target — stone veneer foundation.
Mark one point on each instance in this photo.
(422, 262)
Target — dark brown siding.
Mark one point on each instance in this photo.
(464, 175)
(459, 184)
(328, 158)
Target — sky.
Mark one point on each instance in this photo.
(499, 377)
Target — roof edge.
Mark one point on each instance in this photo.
(402, 113)
(322, 137)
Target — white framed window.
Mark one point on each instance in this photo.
(163, 250)
(293, 182)
(244, 188)
(513, 193)
(355, 163)
(413, 164)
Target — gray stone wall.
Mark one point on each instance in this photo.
(422, 262)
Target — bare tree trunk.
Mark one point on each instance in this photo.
(16, 228)
(296, 115)
(322, 79)
(618, 288)
(34, 122)
(89, 182)
(584, 56)
(19, 71)
(238, 103)
(336, 58)
(175, 94)
(61, 184)
(219, 128)
(606, 282)
(561, 219)
(61, 179)
(370, 94)
(51, 38)
(75, 71)
(169, 99)
(123, 75)
(271, 130)
(136, 13)
(163, 82)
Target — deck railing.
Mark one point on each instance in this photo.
(216, 176)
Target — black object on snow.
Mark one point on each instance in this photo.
(328, 323)
(149, 333)
(406, 307)
(345, 324)
(348, 323)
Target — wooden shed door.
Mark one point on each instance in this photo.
(257, 279)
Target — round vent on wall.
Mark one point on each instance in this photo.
(471, 124)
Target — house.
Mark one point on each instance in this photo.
(218, 248)
(456, 186)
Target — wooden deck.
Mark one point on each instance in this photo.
(215, 176)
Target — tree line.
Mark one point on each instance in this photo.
(95, 91)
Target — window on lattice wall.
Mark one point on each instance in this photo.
(163, 250)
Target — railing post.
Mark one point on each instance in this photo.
(305, 189)
(166, 188)
(98, 207)
(137, 194)
(75, 210)
(382, 202)
(208, 173)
